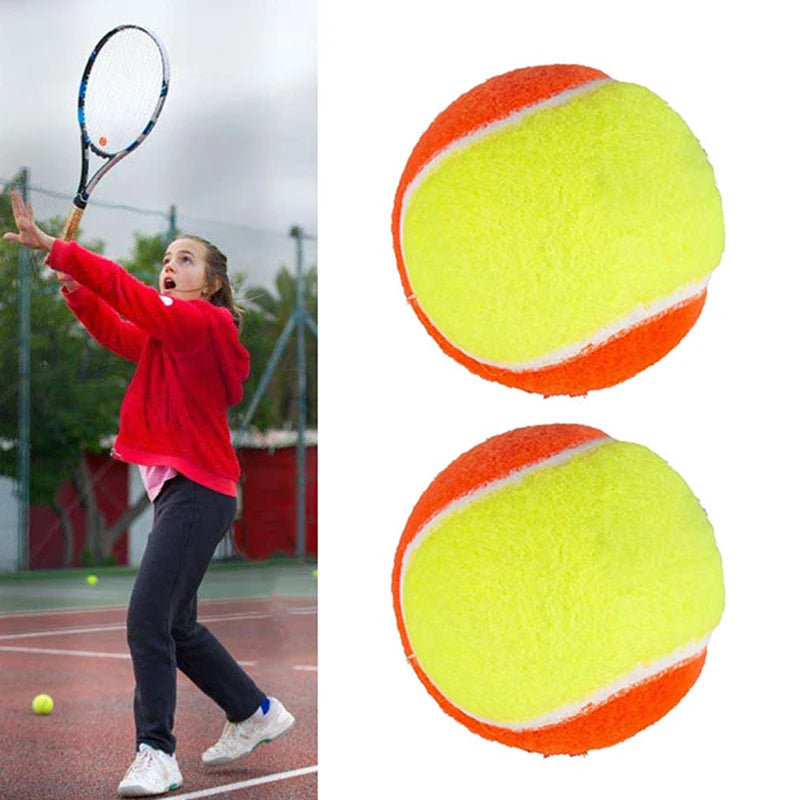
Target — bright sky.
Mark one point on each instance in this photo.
(235, 144)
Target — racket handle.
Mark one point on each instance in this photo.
(70, 228)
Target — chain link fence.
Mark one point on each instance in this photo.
(255, 255)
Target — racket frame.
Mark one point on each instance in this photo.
(86, 185)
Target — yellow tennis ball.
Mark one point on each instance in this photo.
(555, 229)
(91, 580)
(315, 573)
(555, 589)
(42, 704)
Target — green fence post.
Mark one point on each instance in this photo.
(24, 394)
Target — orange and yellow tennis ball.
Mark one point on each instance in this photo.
(42, 704)
(103, 141)
(555, 229)
(555, 589)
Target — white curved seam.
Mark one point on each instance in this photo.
(479, 133)
(639, 316)
(639, 674)
(488, 488)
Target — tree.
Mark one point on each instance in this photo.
(76, 390)
(77, 386)
(267, 316)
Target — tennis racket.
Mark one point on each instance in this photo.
(122, 92)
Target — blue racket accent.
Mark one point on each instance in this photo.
(86, 185)
(110, 157)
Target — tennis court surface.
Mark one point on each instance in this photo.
(65, 638)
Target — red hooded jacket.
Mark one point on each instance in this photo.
(190, 367)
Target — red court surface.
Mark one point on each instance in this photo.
(83, 748)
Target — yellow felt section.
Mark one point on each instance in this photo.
(541, 233)
(538, 595)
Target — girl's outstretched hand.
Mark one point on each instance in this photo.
(30, 235)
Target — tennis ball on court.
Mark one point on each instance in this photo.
(555, 229)
(315, 573)
(91, 580)
(42, 704)
(555, 589)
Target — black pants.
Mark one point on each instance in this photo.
(163, 631)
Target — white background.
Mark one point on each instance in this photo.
(721, 408)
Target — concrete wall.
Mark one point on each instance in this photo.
(9, 538)
(138, 531)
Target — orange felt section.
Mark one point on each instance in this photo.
(620, 717)
(490, 101)
(616, 360)
(491, 460)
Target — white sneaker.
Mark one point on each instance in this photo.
(152, 772)
(240, 738)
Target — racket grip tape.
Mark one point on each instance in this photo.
(70, 229)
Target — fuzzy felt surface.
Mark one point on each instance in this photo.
(595, 727)
(542, 229)
(494, 459)
(594, 367)
(490, 101)
(527, 597)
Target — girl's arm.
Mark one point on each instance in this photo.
(178, 322)
(121, 337)
(161, 317)
(104, 324)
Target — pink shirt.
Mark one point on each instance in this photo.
(154, 479)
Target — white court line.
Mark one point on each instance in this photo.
(240, 615)
(231, 787)
(103, 628)
(305, 668)
(53, 612)
(62, 632)
(45, 612)
(303, 610)
(47, 651)
(90, 653)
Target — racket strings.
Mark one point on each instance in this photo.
(123, 90)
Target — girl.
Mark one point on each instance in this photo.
(173, 423)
